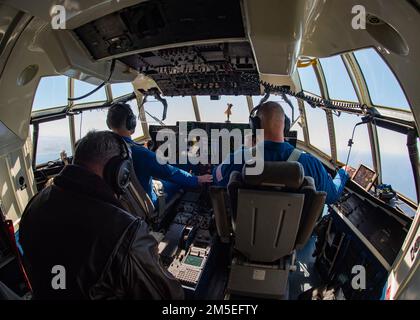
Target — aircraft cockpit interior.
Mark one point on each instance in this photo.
(195, 75)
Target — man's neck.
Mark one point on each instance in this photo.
(274, 138)
(123, 133)
(98, 170)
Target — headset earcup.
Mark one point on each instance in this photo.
(131, 122)
(117, 174)
(124, 175)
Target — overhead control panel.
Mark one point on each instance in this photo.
(211, 69)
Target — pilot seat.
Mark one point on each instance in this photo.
(137, 201)
(269, 217)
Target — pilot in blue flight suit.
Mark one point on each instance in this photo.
(122, 121)
(271, 118)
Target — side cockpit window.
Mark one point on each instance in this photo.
(361, 152)
(309, 81)
(88, 120)
(95, 119)
(383, 86)
(395, 161)
(50, 111)
(53, 139)
(53, 136)
(318, 129)
(121, 89)
(337, 79)
(51, 92)
(82, 87)
(316, 120)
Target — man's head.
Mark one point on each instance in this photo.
(121, 119)
(272, 119)
(96, 149)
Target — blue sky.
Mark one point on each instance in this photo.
(382, 84)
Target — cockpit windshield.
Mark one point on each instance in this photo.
(328, 132)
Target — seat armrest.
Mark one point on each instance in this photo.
(222, 219)
(312, 210)
(235, 182)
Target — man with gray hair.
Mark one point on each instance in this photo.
(79, 242)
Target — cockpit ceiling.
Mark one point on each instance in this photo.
(211, 68)
(160, 23)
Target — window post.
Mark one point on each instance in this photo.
(328, 113)
(250, 103)
(71, 116)
(362, 92)
(196, 108)
(298, 86)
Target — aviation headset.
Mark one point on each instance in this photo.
(255, 121)
(130, 118)
(117, 169)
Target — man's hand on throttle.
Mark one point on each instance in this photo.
(349, 170)
(207, 178)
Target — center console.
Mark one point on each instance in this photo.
(189, 247)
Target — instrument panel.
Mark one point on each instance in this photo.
(383, 231)
(375, 218)
(365, 178)
(193, 145)
(198, 169)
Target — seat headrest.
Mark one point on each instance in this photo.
(277, 174)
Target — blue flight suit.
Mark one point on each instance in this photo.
(147, 167)
(276, 151)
